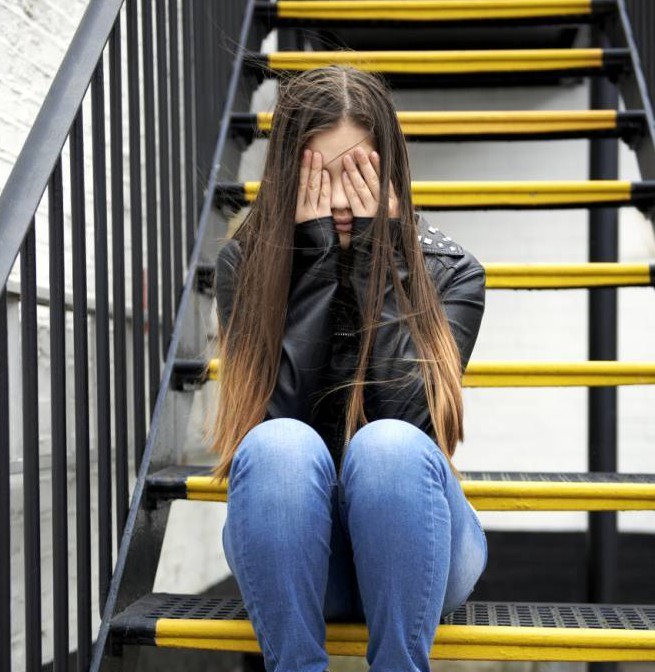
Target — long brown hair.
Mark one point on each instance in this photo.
(249, 346)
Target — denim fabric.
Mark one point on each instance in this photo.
(392, 543)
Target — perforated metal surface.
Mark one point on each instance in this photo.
(173, 478)
(198, 608)
(515, 614)
(554, 615)
(556, 477)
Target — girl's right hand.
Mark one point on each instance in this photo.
(313, 189)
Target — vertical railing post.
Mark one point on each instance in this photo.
(81, 362)
(5, 504)
(103, 403)
(31, 487)
(190, 144)
(58, 395)
(151, 206)
(164, 173)
(602, 548)
(136, 235)
(118, 277)
(175, 153)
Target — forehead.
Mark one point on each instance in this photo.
(335, 142)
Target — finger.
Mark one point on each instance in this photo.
(375, 161)
(393, 198)
(368, 172)
(358, 181)
(326, 186)
(314, 185)
(351, 193)
(302, 179)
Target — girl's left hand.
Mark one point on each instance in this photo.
(362, 184)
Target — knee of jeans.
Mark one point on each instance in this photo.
(285, 443)
(388, 439)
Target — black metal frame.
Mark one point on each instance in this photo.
(602, 533)
(633, 85)
(139, 553)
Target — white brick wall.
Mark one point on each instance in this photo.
(34, 36)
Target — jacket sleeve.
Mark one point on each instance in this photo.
(462, 289)
(462, 292)
(306, 344)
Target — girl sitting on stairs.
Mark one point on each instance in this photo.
(340, 399)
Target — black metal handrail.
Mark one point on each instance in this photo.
(25, 186)
(642, 22)
(176, 127)
(634, 86)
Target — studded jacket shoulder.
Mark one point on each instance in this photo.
(307, 347)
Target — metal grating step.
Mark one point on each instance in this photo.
(487, 491)
(474, 631)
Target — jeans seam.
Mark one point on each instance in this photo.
(429, 591)
(484, 538)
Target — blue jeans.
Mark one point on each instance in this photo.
(392, 543)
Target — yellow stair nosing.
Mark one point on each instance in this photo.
(485, 373)
(432, 10)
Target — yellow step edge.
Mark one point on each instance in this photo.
(456, 642)
(430, 10)
(543, 374)
(504, 495)
(469, 122)
(454, 61)
(500, 275)
(504, 193)
(552, 504)
(558, 374)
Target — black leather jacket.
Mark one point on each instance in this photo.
(320, 343)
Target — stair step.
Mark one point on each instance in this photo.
(494, 195)
(467, 67)
(501, 275)
(568, 276)
(487, 491)
(487, 124)
(421, 12)
(486, 373)
(474, 631)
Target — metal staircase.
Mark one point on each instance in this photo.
(132, 615)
